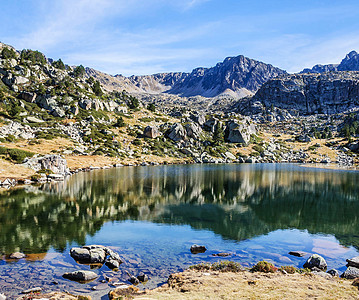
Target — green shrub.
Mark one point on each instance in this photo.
(59, 64)
(18, 155)
(137, 142)
(289, 269)
(264, 266)
(146, 119)
(8, 53)
(151, 107)
(35, 57)
(79, 71)
(222, 266)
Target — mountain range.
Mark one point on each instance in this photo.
(236, 77)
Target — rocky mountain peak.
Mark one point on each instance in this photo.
(350, 62)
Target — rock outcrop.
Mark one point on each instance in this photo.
(327, 93)
(54, 163)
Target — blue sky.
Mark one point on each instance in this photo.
(151, 36)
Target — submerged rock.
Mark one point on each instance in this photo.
(142, 277)
(80, 275)
(198, 249)
(297, 253)
(317, 261)
(33, 290)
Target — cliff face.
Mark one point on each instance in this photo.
(235, 76)
(328, 93)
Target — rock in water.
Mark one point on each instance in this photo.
(353, 262)
(297, 253)
(112, 264)
(2, 297)
(317, 261)
(89, 254)
(33, 290)
(80, 275)
(17, 255)
(333, 272)
(351, 273)
(142, 277)
(198, 249)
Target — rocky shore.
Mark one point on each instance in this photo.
(225, 279)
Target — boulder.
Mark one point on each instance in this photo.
(177, 133)
(351, 273)
(28, 97)
(55, 163)
(112, 264)
(193, 130)
(210, 125)
(85, 104)
(17, 255)
(317, 261)
(239, 132)
(198, 118)
(80, 275)
(198, 249)
(353, 262)
(88, 256)
(142, 277)
(34, 120)
(151, 132)
(297, 253)
(333, 272)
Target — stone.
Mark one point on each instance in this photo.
(239, 132)
(33, 290)
(177, 133)
(193, 130)
(88, 255)
(142, 277)
(297, 253)
(353, 262)
(229, 155)
(351, 273)
(317, 261)
(2, 297)
(34, 120)
(112, 264)
(17, 255)
(322, 274)
(55, 163)
(28, 97)
(151, 132)
(134, 280)
(80, 275)
(198, 118)
(222, 254)
(333, 272)
(198, 249)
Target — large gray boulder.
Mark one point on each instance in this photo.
(351, 273)
(151, 132)
(55, 163)
(177, 133)
(239, 132)
(315, 261)
(353, 262)
(28, 97)
(193, 130)
(89, 255)
(80, 275)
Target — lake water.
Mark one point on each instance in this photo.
(152, 215)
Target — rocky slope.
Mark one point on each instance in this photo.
(235, 77)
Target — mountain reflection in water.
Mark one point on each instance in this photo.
(237, 202)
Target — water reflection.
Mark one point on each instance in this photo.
(237, 202)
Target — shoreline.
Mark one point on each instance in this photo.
(16, 181)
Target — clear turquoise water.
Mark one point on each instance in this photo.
(152, 215)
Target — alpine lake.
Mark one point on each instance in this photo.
(152, 215)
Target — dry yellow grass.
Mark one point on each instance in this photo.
(10, 170)
(245, 285)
